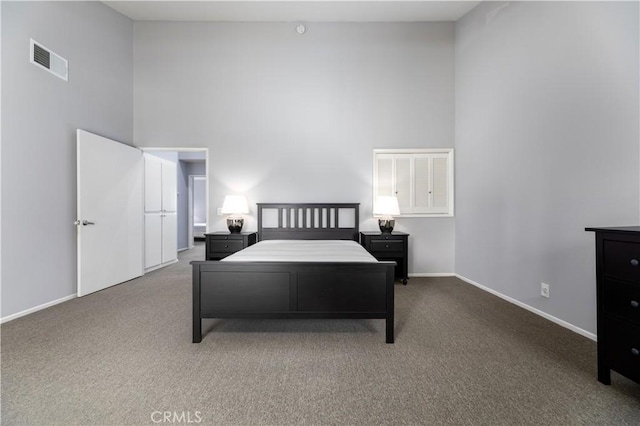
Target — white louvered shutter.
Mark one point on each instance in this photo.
(421, 179)
(384, 175)
(403, 182)
(439, 184)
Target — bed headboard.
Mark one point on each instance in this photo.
(308, 221)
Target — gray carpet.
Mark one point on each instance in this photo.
(462, 357)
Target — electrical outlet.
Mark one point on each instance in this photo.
(219, 211)
(544, 290)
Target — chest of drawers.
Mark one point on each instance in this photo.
(618, 301)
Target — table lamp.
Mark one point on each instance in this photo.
(386, 207)
(235, 205)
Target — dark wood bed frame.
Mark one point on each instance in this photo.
(296, 289)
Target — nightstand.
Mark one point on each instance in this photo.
(393, 246)
(221, 244)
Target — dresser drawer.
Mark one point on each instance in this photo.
(622, 260)
(227, 237)
(230, 246)
(387, 247)
(386, 237)
(622, 300)
(623, 347)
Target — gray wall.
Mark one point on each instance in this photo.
(546, 145)
(196, 168)
(295, 118)
(40, 115)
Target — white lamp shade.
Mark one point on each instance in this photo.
(235, 204)
(386, 206)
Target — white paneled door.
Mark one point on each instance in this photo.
(152, 240)
(110, 212)
(169, 237)
(160, 212)
(169, 187)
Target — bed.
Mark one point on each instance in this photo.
(259, 283)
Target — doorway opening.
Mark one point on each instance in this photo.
(197, 207)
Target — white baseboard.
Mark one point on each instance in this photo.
(63, 299)
(162, 265)
(432, 274)
(536, 311)
(37, 308)
(183, 249)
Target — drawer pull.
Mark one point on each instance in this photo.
(226, 246)
(634, 262)
(634, 304)
(386, 245)
(635, 351)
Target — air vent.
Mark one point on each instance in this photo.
(48, 60)
(41, 56)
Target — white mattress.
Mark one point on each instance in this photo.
(302, 251)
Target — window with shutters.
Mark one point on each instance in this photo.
(421, 179)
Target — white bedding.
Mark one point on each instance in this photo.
(302, 251)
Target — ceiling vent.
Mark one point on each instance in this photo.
(48, 60)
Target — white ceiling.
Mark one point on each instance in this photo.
(294, 11)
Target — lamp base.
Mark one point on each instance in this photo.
(235, 224)
(386, 225)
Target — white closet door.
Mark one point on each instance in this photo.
(169, 186)
(110, 212)
(152, 183)
(169, 237)
(152, 239)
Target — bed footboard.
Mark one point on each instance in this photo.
(292, 290)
